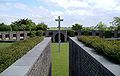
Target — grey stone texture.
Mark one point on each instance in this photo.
(37, 62)
(3, 36)
(25, 35)
(10, 33)
(115, 34)
(53, 33)
(78, 32)
(18, 35)
(10, 36)
(83, 61)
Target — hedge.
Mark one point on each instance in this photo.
(110, 49)
(108, 34)
(71, 33)
(39, 33)
(12, 53)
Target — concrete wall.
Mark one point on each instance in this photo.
(10, 34)
(83, 61)
(37, 62)
(54, 32)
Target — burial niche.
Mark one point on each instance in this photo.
(62, 37)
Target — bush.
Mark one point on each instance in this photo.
(86, 33)
(32, 34)
(12, 53)
(39, 33)
(110, 49)
(108, 34)
(71, 33)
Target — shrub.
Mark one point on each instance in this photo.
(39, 33)
(71, 33)
(110, 49)
(108, 34)
(32, 33)
(86, 33)
(12, 53)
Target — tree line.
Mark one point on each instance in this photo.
(114, 25)
(23, 25)
(29, 25)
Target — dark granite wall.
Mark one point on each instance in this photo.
(81, 63)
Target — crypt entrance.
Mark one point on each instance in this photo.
(62, 37)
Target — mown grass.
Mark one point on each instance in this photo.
(55, 28)
(4, 44)
(60, 60)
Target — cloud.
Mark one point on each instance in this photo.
(80, 12)
(68, 3)
(101, 4)
(86, 12)
(20, 10)
(20, 6)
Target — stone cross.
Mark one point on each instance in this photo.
(59, 30)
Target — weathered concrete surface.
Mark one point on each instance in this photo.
(53, 33)
(11, 33)
(37, 62)
(83, 61)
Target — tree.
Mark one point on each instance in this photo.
(4, 27)
(111, 28)
(23, 24)
(76, 27)
(88, 28)
(101, 26)
(116, 23)
(41, 26)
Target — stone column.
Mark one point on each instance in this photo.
(66, 37)
(53, 38)
(79, 33)
(46, 33)
(25, 35)
(93, 33)
(18, 36)
(3, 36)
(10, 35)
(115, 34)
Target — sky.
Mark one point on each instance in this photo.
(85, 12)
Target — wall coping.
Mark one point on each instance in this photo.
(114, 68)
(23, 65)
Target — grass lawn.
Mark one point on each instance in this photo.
(4, 44)
(60, 61)
(55, 28)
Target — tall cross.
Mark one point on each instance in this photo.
(59, 20)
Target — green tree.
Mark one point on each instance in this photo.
(116, 23)
(111, 28)
(88, 28)
(76, 27)
(4, 27)
(101, 26)
(71, 33)
(41, 26)
(23, 24)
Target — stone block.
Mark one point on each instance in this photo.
(18, 36)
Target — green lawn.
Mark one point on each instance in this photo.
(60, 61)
(55, 28)
(4, 44)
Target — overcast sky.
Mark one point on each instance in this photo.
(85, 12)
